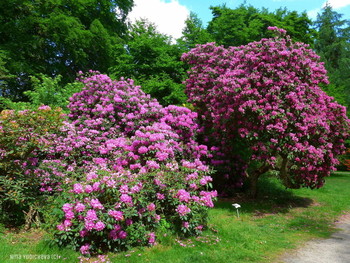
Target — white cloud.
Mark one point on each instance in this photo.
(313, 13)
(168, 16)
(335, 4)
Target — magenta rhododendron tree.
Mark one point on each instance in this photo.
(262, 106)
(125, 164)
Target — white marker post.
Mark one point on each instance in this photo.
(237, 206)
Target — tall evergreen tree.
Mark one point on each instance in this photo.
(333, 45)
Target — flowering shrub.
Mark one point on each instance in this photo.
(261, 104)
(125, 164)
(23, 137)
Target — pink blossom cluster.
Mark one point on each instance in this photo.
(129, 162)
(261, 105)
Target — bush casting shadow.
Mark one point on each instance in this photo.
(272, 198)
(340, 174)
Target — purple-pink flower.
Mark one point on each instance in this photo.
(143, 150)
(79, 207)
(89, 224)
(183, 195)
(69, 215)
(151, 238)
(128, 222)
(67, 207)
(78, 188)
(151, 207)
(61, 227)
(160, 196)
(91, 215)
(126, 198)
(99, 226)
(95, 203)
(117, 215)
(183, 210)
(83, 233)
(122, 234)
(85, 249)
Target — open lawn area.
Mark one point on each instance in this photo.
(278, 221)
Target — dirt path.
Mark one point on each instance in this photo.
(335, 249)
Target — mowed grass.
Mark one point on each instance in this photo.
(278, 221)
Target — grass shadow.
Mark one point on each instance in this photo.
(272, 198)
(340, 174)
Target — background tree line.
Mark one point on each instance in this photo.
(43, 45)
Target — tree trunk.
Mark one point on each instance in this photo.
(285, 176)
(253, 191)
(253, 179)
(283, 172)
(32, 216)
(29, 218)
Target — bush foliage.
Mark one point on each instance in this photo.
(261, 104)
(23, 141)
(124, 164)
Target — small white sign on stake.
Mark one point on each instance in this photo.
(237, 206)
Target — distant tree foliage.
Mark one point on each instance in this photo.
(235, 27)
(5, 76)
(151, 59)
(55, 37)
(194, 33)
(46, 91)
(62, 37)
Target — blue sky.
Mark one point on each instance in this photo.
(312, 7)
(170, 15)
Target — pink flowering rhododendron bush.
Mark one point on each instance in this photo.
(22, 145)
(262, 109)
(125, 166)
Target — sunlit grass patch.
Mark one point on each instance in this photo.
(279, 220)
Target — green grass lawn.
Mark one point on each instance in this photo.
(278, 221)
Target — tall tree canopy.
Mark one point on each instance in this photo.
(333, 45)
(58, 37)
(194, 33)
(234, 27)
